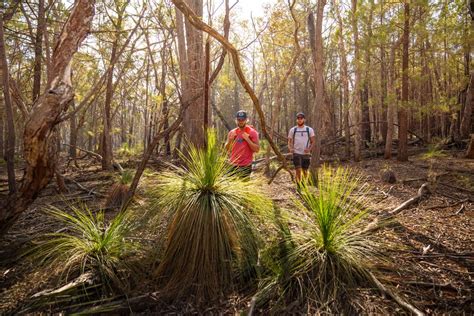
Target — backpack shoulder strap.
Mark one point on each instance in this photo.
(294, 132)
(307, 131)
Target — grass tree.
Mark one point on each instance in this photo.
(211, 233)
(118, 191)
(89, 243)
(329, 250)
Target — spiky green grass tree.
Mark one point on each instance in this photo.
(211, 233)
(89, 243)
(329, 249)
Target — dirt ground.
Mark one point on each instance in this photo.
(433, 259)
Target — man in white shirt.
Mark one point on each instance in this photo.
(300, 142)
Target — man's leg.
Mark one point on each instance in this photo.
(306, 160)
(297, 164)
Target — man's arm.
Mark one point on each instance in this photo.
(311, 144)
(290, 141)
(254, 146)
(230, 140)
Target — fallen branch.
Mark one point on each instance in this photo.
(83, 188)
(422, 192)
(376, 223)
(97, 156)
(84, 279)
(407, 306)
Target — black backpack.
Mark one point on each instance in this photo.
(294, 134)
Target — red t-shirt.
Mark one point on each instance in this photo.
(241, 154)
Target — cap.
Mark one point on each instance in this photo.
(241, 114)
(300, 114)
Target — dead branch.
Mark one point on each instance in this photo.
(407, 306)
(97, 156)
(422, 192)
(84, 279)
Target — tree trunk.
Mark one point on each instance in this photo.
(5, 101)
(316, 41)
(356, 93)
(391, 99)
(194, 129)
(107, 154)
(470, 149)
(72, 135)
(39, 147)
(466, 125)
(40, 28)
(402, 113)
(344, 81)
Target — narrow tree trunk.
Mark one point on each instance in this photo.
(391, 99)
(466, 125)
(107, 154)
(73, 135)
(345, 82)
(356, 93)
(470, 149)
(40, 28)
(402, 113)
(316, 40)
(5, 100)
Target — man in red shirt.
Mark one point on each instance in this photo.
(242, 142)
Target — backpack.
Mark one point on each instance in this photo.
(307, 131)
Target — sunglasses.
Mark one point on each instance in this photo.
(300, 118)
(241, 120)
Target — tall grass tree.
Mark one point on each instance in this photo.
(211, 233)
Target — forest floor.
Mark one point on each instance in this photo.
(434, 255)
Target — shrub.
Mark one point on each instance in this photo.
(118, 191)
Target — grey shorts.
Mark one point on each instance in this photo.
(301, 161)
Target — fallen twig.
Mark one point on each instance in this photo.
(460, 210)
(396, 297)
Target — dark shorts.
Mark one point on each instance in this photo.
(244, 172)
(301, 161)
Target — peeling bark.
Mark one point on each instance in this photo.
(40, 150)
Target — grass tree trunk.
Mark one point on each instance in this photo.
(40, 149)
(316, 40)
(5, 101)
(402, 113)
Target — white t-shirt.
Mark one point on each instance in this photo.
(302, 139)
